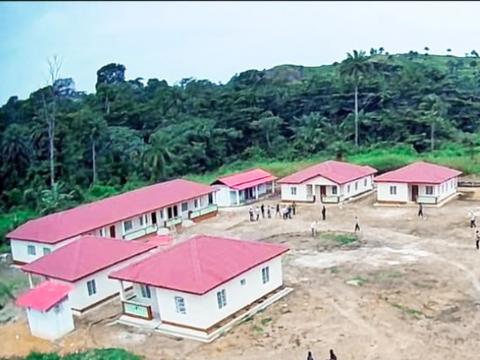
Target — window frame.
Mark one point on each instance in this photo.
(180, 305)
(30, 251)
(243, 282)
(393, 189)
(184, 206)
(125, 222)
(91, 287)
(428, 190)
(221, 299)
(265, 274)
(145, 291)
(334, 190)
(293, 190)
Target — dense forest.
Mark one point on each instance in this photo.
(60, 147)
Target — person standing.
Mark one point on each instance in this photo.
(310, 356)
(313, 228)
(420, 210)
(250, 211)
(473, 220)
(294, 207)
(269, 212)
(278, 210)
(262, 208)
(332, 355)
(257, 213)
(357, 224)
(324, 213)
(289, 211)
(477, 239)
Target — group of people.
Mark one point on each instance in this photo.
(286, 211)
(473, 225)
(332, 356)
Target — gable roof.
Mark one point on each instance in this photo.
(245, 179)
(66, 224)
(419, 172)
(337, 171)
(199, 264)
(44, 296)
(86, 256)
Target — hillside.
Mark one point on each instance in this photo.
(131, 132)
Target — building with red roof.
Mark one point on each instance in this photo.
(420, 182)
(48, 311)
(244, 187)
(84, 265)
(192, 287)
(126, 216)
(328, 182)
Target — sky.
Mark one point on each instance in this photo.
(214, 40)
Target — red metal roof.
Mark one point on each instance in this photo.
(44, 296)
(245, 179)
(419, 172)
(56, 227)
(199, 264)
(86, 256)
(336, 171)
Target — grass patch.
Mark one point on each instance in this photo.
(408, 310)
(8, 288)
(97, 354)
(266, 321)
(340, 238)
(334, 270)
(257, 329)
(357, 281)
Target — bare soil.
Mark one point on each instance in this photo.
(407, 288)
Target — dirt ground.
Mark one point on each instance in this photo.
(408, 288)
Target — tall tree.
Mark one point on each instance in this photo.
(355, 67)
(156, 156)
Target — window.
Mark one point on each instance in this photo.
(293, 190)
(393, 190)
(221, 299)
(58, 308)
(184, 207)
(265, 274)
(334, 190)
(356, 185)
(46, 251)
(348, 188)
(140, 220)
(195, 203)
(243, 282)
(145, 289)
(91, 287)
(429, 190)
(102, 232)
(365, 182)
(31, 250)
(127, 225)
(180, 305)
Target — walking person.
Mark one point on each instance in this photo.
(310, 356)
(357, 224)
(313, 228)
(250, 211)
(420, 210)
(257, 212)
(294, 207)
(262, 208)
(473, 220)
(477, 239)
(289, 212)
(278, 210)
(269, 212)
(324, 213)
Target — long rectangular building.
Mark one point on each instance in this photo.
(126, 216)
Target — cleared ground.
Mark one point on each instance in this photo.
(406, 288)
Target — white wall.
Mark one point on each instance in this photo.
(20, 254)
(224, 198)
(52, 324)
(345, 191)
(202, 310)
(383, 192)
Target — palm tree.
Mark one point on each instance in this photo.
(355, 67)
(156, 156)
(427, 49)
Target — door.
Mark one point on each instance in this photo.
(169, 213)
(323, 190)
(414, 192)
(112, 231)
(175, 211)
(154, 218)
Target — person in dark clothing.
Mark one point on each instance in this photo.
(477, 239)
(420, 210)
(310, 356)
(262, 208)
(324, 213)
(289, 212)
(473, 220)
(278, 210)
(250, 211)
(332, 355)
(269, 212)
(294, 207)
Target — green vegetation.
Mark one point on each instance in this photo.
(97, 354)
(60, 147)
(8, 287)
(357, 281)
(409, 311)
(340, 238)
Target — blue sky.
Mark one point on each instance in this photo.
(214, 40)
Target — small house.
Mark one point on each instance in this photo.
(244, 187)
(199, 288)
(420, 182)
(328, 182)
(84, 265)
(127, 216)
(48, 310)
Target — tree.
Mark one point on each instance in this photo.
(449, 50)
(269, 127)
(16, 152)
(157, 155)
(381, 50)
(474, 53)
(355, 67)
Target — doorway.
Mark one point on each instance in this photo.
(154, 218)
(112, 231)
(414, 193)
